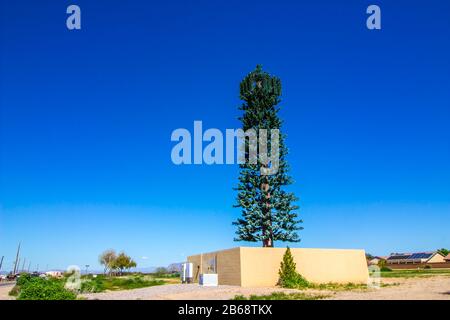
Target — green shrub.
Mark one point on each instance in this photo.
(23, 279)
(14, 291)
(93, 285)
(43, 289)
(102, 283)
(135, 283)
(427, 267)
(385, 269)
(167, 275)
(288, 275)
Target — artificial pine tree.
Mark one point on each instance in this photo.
(268, 211)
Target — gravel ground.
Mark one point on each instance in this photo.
(420, 288)
(182, 292)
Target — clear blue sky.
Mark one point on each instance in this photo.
(86, 118)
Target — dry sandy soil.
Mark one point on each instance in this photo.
(418, 288)
(4, 290)
(181, 292)
(421, 288)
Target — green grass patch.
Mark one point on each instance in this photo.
(282, 296)
(337, 286)
(174, 275)
(385, 285)
(414, 273)
(105, 283)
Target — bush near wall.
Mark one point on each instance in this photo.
(288, 275)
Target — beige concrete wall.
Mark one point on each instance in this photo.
(247, 266)
(228, 265)
(259, 266)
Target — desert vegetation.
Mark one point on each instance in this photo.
(116, 276)
(101, 283)
(29, 287)
(116, 263)
(283, 296)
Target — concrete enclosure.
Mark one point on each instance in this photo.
(248, 266)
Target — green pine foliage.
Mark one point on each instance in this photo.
(268, 211)
(288, 275)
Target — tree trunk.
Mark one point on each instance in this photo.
(266, 207)
(268, 243)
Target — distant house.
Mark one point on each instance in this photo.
(376, 260)
(54, 274)
(447, 258)
(417, 257)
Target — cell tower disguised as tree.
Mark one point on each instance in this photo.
(268, 211)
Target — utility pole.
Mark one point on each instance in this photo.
(29, 266)
(17, 257)
(1, 263)
(18, 266)
(23, 264)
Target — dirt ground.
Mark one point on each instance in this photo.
(418, 288)
(4, 290)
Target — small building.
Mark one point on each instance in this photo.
(54, 274)
(415, 258)
(447, 258)
(257, 267)
(376, 260)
